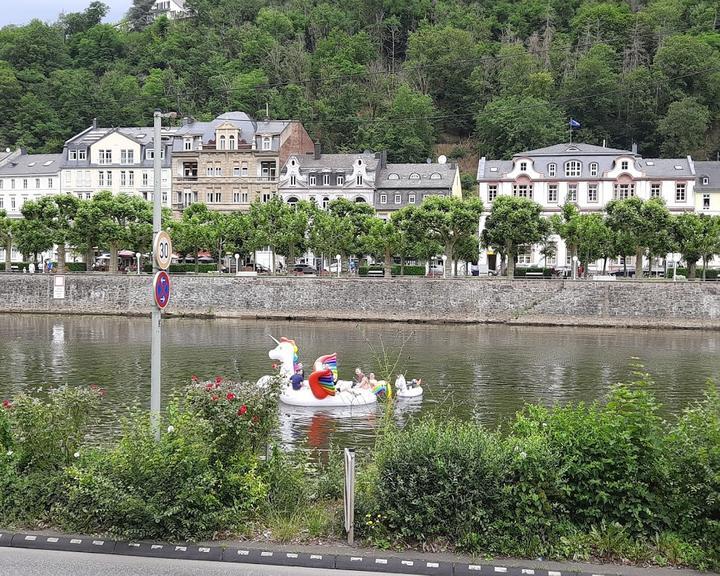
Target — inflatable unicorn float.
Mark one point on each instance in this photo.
(322, 388)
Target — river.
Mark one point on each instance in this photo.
(485, 372)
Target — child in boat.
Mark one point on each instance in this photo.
(297, 379)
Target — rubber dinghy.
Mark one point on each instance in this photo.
(322, 389)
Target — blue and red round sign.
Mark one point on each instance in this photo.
(161, 289)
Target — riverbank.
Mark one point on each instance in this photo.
(641, 304)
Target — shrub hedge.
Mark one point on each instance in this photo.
(184, 268)
(522, 272)
(710, 273)
(394, 270)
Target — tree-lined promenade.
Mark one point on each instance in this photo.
(438, 226)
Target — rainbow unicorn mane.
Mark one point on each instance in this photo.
(330, 360)
(296, 357)
(327, 382)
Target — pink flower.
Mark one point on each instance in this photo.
(102, 392)
(209, 386)
(6, 404)
(93, 386)
(230, 396)
(214, 398)
(218, 379)
(194, 378)
(242, 410)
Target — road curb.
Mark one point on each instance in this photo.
(250, 555)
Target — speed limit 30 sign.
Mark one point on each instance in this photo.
(162, 250)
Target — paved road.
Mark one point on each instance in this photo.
(22, 562)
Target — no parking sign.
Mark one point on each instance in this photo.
(161, 289)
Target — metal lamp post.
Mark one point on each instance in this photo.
(337, 259)
(137, 257)
(444, 259)
(574, 267)
(237, 264)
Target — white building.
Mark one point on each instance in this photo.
(172, 9)
(115, 159)
(589, 176)
(25, 177)
(322, 178)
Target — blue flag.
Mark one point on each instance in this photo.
(574, 123)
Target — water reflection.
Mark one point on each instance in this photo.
(486, 372)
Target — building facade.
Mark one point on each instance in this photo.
(232, 160)
(172, 9)
(588, 176)
(400, 185)
(116, 159)
(322, 178)
(707, 187)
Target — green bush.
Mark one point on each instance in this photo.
(175, 488)
(521, 272)
(394, 270)
(184, 268)
(710, 273)
(20, 265)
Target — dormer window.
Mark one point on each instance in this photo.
(593, 168)
(340, 180)
(267, 143)
(414, 176)
(231, 142)
(313, 180)
(552, 169)
(573, 168)
(188, 144)
(624, 165)
(222, 142)
(393, 176)
(705, 180)
(326, 179)
(523, 166)
(293, 180)
(359, 179)
(73, 155)
(435, 176)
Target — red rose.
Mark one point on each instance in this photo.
(6, 403)
(242, 410)
(218, 379)
(230, 396)
(214, 398)
(255, 419)
(194, 378)
(209, 386)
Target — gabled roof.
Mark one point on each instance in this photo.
(575, 149)
(140, 134)
(709, 170)
(32, 165)
(666, 167)
(335, 162)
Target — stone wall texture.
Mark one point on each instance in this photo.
(562, 302)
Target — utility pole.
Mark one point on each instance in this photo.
(159, 253)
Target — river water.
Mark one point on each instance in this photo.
(485, 372)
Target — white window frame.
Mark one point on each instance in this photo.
(72, 155)
(680, 192)
(383, 198)
(573, 168)
(188, 144)
(313, 180)
(340, 180)
(552, 195)
(624, 165)
(572, 193)
(552, 169)
(267, 142)
(398, 199)
(293, 180)
(623, 191)
(359, 180)
(655, 190)
(706, 201)
(593, 168)
(492, 192)
(523, 191)
(326, 179)
(523, 166)
(593, 193)
(411, 199)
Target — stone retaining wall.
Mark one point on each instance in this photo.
(583, 303)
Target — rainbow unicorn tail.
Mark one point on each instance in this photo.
(322, 383)
(382, 390)
(330, 360)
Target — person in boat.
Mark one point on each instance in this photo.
(402, 384)
(359, 377)
(297, 379)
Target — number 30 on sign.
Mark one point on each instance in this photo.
(162, 250)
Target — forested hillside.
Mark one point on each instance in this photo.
(395, 74)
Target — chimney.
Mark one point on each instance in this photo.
(634, 148)
(317, 151)
(383, 159)
(95, 125)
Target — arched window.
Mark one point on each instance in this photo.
(222, 142)
(573, 168)
(325, 202)
(292, 201)
(393, 176)
(593, 168)
(414, 176)
(552, 169)
(231, 142)
(360, 200)
(435, 176)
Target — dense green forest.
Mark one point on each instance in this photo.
(496, 76)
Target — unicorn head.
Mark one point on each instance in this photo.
(286, 352)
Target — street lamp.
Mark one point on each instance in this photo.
(337, 259)
(574, 267)
(237, 264)
(137, 256)
(444, 259)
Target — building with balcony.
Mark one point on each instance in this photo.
(322, 178)
(116, 159)
(232, 160)
(588, 176)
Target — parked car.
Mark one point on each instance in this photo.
(304, 269)
(260, 269)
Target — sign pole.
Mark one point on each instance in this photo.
(156, 346)
(349, 499)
